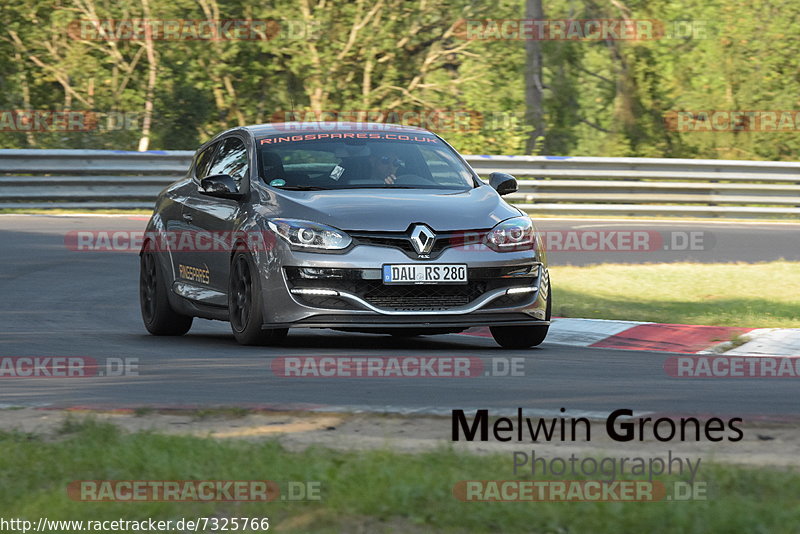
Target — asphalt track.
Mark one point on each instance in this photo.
(60, 302)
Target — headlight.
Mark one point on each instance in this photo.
(310, 235)
(512, 235)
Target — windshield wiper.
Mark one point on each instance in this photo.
(303, 188)
(367, 186)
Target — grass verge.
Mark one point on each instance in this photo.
(761, 295)
(374, 491)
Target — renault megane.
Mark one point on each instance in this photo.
(357, 227)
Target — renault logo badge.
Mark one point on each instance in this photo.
(422, 239)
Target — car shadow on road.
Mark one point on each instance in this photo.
(331, 340)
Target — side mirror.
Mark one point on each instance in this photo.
(220, 186)
(503, 183)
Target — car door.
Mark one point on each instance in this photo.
(172, 212)
(212, 221)
(188, 266)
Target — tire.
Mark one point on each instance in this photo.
(158, 316)
(523, 337)
(245, 305)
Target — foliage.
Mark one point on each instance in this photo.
(601, 98)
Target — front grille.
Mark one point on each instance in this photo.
(367, 284)
(423, 295)
(402, 241)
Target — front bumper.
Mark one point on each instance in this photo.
(304, 289)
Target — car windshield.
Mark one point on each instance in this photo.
(361, 160)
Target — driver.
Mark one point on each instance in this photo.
(384, 165)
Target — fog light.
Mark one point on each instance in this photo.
(518, 290)
(317, 292)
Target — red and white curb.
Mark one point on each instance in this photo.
(679, 338)
(767, 342)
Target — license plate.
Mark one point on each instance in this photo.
(425, 274)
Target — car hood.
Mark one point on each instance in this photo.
(393, 210)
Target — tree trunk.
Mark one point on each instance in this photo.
(152, 67)
(534, 88)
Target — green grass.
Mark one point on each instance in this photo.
(731, 294)
(375, 491)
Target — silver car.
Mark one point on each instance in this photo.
(355, 227)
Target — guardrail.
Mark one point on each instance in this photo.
(90, 179)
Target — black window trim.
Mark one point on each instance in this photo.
(214, 145)
(244, 185)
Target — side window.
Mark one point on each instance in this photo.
(203, 161)
(231, 159)
(444, 169)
